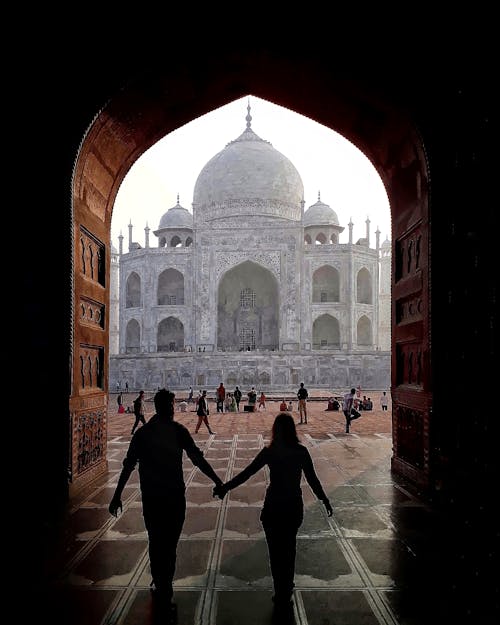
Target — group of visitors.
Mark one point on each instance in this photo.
(352, 405)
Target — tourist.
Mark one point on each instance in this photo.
(302, 395)
(283, 510)
(237, 398)
(202, 411)
(157, 448)
(350, 412)
(139, 411)
(384, 400)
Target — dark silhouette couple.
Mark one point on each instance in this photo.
(157, 448)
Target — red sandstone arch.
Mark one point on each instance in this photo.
(151, 106)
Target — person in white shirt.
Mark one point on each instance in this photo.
(350, 413)
(384, 400)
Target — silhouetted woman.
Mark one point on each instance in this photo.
(283, 510)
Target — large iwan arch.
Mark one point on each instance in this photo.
(148, 108)
(248, 309)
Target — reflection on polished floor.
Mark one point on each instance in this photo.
(385, 557)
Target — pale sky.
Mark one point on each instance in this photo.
(327, 163)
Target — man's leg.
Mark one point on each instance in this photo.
(135, 425)
(347, 420)
(164, 518)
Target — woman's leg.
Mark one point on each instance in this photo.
(282, 545)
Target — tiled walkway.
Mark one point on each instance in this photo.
(379, 560)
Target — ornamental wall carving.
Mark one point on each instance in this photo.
(272, 208)
(317, 263)
(271, 260)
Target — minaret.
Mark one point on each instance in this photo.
(367, 232)
(130, 236)
(146, 233)
(350, 230)
(120, 243)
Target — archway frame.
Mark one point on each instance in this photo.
(151, 106)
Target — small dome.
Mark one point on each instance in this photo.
(176, 217)
(386, 244)
(320, 214)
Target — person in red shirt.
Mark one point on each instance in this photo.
(220, 397)
(262, 401)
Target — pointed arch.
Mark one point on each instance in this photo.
(364, 288)
(133, 337)
(170, 290)
(364, 332)
(170, 335)
(326, 284)
(326, 332)
(248, 309)
(133, 291)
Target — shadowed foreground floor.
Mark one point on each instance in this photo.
(383, 558)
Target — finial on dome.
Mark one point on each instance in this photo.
(248, 117)
(319, 196)
(178, 200)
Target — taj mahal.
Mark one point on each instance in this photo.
(250, 288)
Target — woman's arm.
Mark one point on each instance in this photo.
(257, 463)
(314, 483)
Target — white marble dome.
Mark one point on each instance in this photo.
(248, 177)
(320, 214)
(176, 217)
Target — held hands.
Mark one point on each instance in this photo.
(115, 505)
(220, 490)
(328, 506)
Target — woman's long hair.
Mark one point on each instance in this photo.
(284, 432)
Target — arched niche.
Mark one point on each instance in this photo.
(247, 309)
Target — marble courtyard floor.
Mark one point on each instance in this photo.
(379, 560)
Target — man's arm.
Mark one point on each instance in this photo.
(257, 463)
(129, 463)
(196, 456)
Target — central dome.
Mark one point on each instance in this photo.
(248, 177)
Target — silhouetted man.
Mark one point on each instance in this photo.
(157, 448)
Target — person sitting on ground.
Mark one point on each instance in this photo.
(183, 405)
(289, 407)
(283, 406)
(333, 404)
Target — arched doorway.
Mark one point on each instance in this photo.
(146, 109)
(248, 309)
